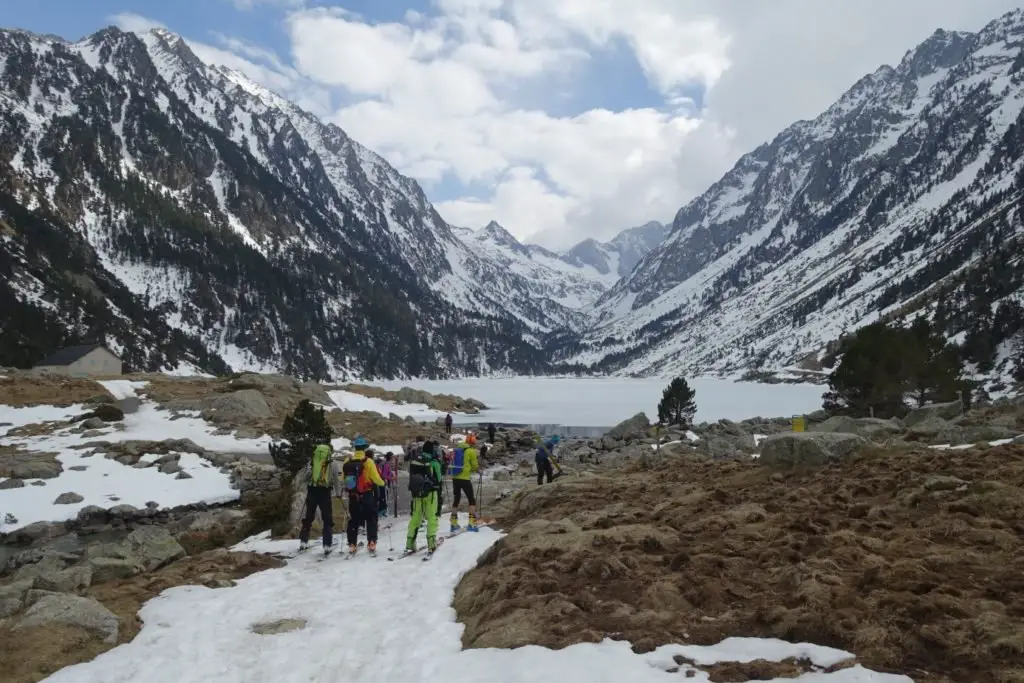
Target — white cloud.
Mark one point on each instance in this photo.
(134, 23)
(440, 94)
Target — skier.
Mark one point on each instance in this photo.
(490, 433)
(448, 423)
(321, 481)
(543, 458)
(424, 488)
(361, 476)
(463, 466)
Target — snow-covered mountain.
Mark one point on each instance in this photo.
(616, 258)
(905, 195)
(543, 273)
(255, 233)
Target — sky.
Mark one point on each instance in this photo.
(562, 119)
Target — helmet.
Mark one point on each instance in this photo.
(471, 439)
(360, 443)
(556, 438)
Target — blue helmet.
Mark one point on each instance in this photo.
(360, 443)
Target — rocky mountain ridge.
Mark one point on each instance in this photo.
(904, 196)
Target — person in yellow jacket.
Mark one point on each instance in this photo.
(464, 465)
(361, 475)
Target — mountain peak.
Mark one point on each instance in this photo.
(941, 50)
(500, 235)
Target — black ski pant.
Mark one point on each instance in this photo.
(544, 468)
(362, 509)
(318, 497)
(382, 499)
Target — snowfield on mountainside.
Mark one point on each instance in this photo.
(367, 620)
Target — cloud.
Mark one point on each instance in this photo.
(479, 94)
(250, 4)
(134, 23)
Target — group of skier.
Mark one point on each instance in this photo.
(367, 482)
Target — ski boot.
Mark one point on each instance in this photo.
(372, 548)
(303, 546)
(409, 551)
(327, 550)
(352, 550)
(472, 524)
(453, 522)
(430, 554)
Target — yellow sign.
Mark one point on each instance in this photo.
(798, 423)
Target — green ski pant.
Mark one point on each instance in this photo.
(425, 507)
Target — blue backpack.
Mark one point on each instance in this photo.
(458, 462)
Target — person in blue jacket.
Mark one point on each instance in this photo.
(543, 458)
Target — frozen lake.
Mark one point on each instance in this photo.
(603, 402)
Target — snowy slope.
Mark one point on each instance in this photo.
(886, 202)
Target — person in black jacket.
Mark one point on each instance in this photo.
(490, 433)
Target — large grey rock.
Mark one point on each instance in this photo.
(49, 574)
(72, 610)
(12, 597)
(634, 428)
(942, 411)
(718, 447)
(68, 498)
(238, 406)
(144, 549)
(40, 467)
(130, 405)
(12, 484)
(809, 448)
(870, 427)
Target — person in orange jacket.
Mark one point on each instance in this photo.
(361, 475)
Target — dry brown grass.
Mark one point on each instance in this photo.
(856, 555)
(31, 655)
(23, 390)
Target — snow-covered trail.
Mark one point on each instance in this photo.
(373, 621)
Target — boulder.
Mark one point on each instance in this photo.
(68, 498)
(130, 405)
(144, 549)
(809, 448)
(93, 423)
(12, 484)
(634, 428)
(107, 413)
(34, 466)
(942, 411)
(237, 407)
(12, 597)
(720, 448)
(49, 574)
(870, 427)
(72, 610)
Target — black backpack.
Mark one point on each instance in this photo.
(422, 479)
(352, 471)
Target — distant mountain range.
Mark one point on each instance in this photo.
(193, 219)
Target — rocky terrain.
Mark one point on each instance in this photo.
(858, 534)
(907, 556)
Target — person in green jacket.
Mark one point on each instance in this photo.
(465, 463)
(424, 488)
(321, 477)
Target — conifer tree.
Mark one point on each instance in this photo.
(306, 427)
(677, 406)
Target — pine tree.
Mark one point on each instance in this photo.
(881, 366)
(677, 405)
(302, 431)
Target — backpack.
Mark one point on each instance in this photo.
(422, 478)
(320, 467)
(353, 473)
(458, 461)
